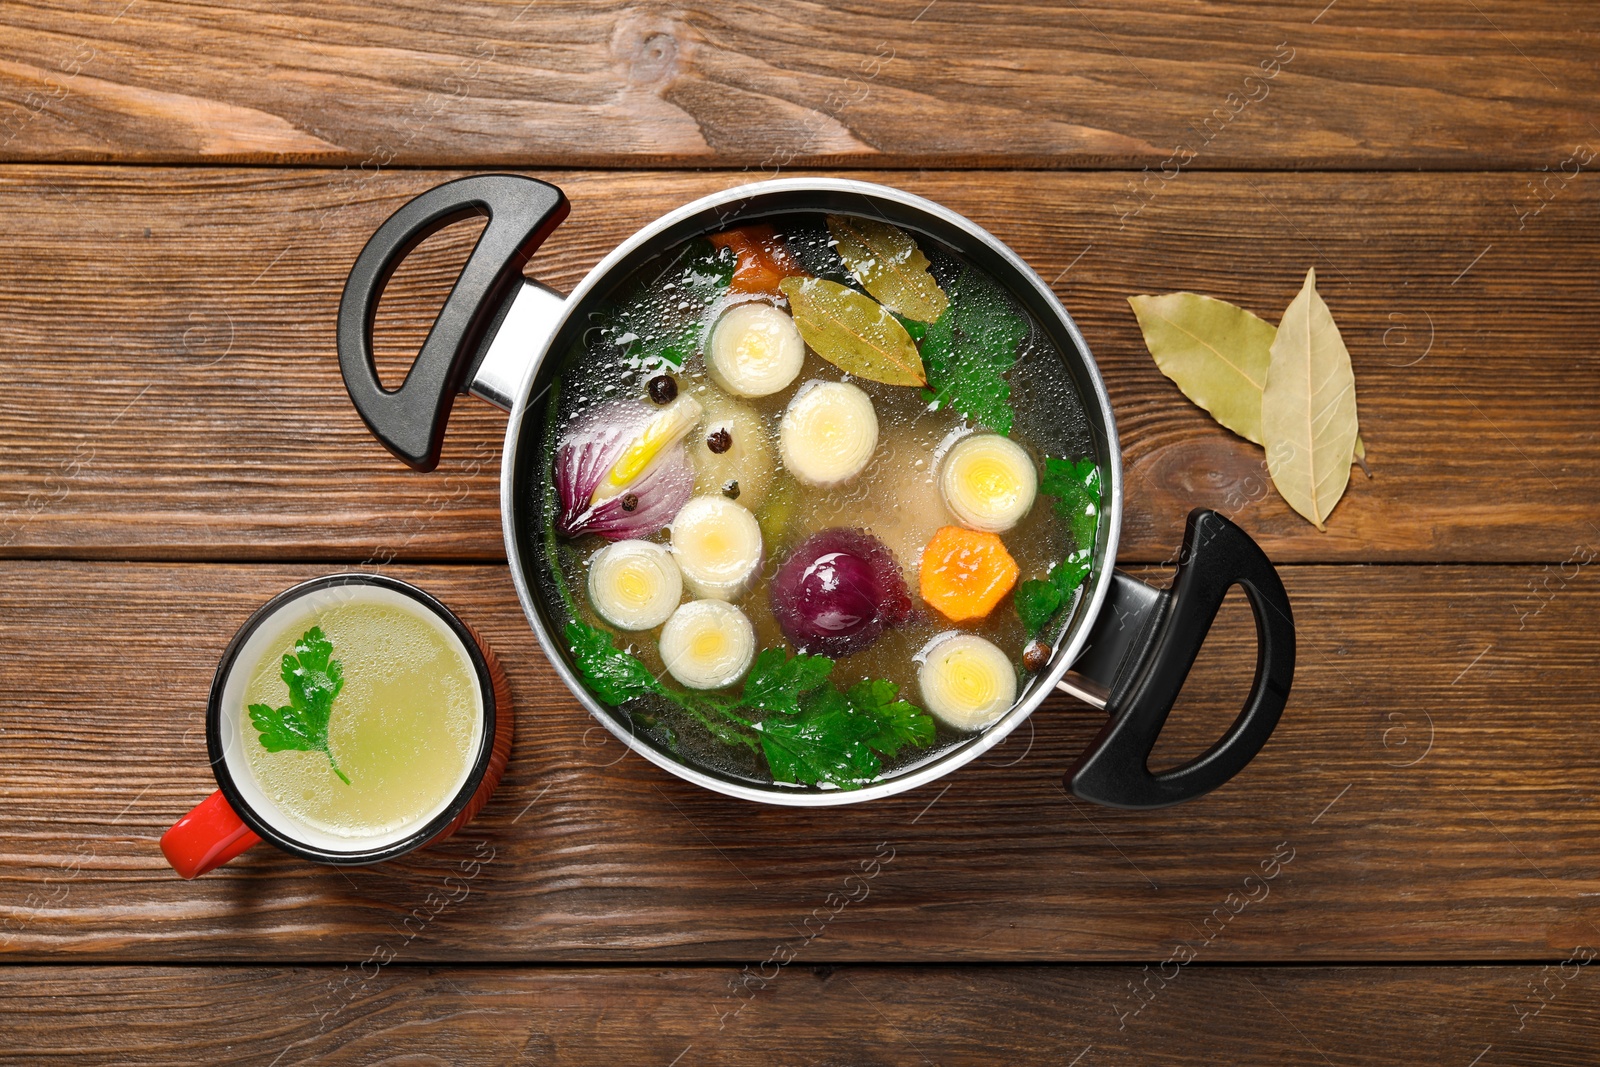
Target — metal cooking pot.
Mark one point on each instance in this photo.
(1128, 646)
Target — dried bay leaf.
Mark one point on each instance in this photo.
(1308, 408)
(889, 265)
(1216, 353)
(853, 332)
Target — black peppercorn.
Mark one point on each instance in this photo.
(719, 440)
(663, 389)
(1035, 656)
(731, 490)
(630, 502)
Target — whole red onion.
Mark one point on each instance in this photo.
(837, 592)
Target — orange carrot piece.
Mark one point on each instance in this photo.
(966, 573)
(763, 259)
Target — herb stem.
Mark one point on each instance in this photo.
(721, 731)
(551, 547)
(700, 706)
(335, 764)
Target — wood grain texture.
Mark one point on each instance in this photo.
(172, 389)
(1435, 83)
(1203, 1016)
(171, 393)
(1429, 795)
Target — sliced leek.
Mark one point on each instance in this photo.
(708, 644)
(988, 482)
(755, 350)
(634, 585)
(717, 544)
(966, 682)
(828, 433)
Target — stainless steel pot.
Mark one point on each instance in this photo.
(1128, 646)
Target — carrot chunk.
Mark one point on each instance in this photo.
(763, 260)
(965, 573)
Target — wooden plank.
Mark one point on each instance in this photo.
(1428, 796)
(173, 391)
(1029, 1015)
(1439, 83)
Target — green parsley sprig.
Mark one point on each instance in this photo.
(1075, 487)
(972, 347)
(789, 709)
(314, 679)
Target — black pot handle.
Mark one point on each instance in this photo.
(1144, 642)
(410, 420)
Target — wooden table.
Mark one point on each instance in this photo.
(183, 190)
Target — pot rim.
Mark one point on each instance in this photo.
(1043, 684)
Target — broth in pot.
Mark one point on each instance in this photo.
(820, 495)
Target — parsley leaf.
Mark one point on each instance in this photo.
(614, 675)
(825, 743)
(1038, 600)
(777, 680)
(314, 679)
(969, 351)
(900, 722)
(665, 322)
(1075, 485)
(838, 737)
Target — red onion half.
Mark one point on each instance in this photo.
(589, 448)
(837, 592)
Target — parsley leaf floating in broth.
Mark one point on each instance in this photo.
(971, 347)
(838, 737)
(777, 680)
(1075, 485)
(314, 679)
(1038, 599)
(615, 676)
(901, 723)
(827, 742)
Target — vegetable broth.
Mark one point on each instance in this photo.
(897, 497)
(403, 727)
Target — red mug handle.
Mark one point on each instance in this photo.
(206, 838)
